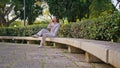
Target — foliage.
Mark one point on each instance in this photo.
(5, 9)
(21, 31)
(111, 27)
(16, 24)
(32, 9)
(40, 22)
(65, 30)
(71, 9)
(79, 9)
(36, 22)
(103, 28)
(100, 7)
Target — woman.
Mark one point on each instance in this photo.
(53, 26)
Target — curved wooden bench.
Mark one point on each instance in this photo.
(95, 51)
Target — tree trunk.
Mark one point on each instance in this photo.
(6, 23)
(9, 22)
(2, 20)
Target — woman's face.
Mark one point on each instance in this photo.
(54, 19)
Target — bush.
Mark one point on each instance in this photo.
(103, 28)
(21, 31)
(110, 27)
(65, 30)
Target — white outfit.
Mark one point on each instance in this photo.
(52, 33)
(46, 33)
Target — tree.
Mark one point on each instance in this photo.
(33, 9)
(5, 9)
(70, 9)
(97, 7)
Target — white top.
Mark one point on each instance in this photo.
(54, 28)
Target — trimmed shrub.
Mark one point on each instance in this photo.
(110, 27)
(21, 31)
(103, 28)
(65, 30)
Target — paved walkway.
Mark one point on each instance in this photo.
(30, 56)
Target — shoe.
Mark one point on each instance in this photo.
(35, 36)
(40, 46)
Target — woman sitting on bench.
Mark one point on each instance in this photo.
(52, 32)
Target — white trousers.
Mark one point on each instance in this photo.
(44, 33)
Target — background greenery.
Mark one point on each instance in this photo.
(73, 9)
(32, 8)
(103, 28)
(64, 9)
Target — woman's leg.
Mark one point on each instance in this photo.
(42, 31)
(44, 38)
(42, 41)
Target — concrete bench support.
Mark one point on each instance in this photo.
(59, 45)
(47, 43)
(30, 42)
(16, 41)
(3, 40)
(72, 49)
(91, 58)
(114, 57)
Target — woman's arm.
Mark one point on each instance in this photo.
(50, 25)
(56, 29)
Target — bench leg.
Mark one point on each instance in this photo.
(72, 49)
(3, 40)
(58, 45)
(47, 43)
(16, 41)
(91, 58)
(30, 42)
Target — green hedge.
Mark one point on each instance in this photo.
(21, 31)
(104, 28)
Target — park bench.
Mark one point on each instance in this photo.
(95, 51)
